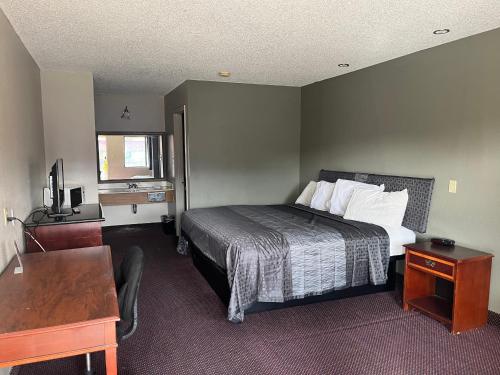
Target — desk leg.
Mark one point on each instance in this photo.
(111, 365)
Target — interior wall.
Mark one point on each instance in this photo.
(147, 114)
(22, 159)
(243, 143)
(173, 101)
(435, 113)
(69, 127)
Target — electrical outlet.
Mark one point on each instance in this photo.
(5, 215)
(452, 187)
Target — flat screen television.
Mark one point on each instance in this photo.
(56, 186)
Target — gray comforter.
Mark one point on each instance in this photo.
(277, 253)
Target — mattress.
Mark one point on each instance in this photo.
(282, 252)
(399, 237)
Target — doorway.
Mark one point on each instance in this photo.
(181, 166)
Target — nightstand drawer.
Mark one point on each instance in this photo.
(431, 264)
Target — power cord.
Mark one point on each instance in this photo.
(13, 218)
(36, 241)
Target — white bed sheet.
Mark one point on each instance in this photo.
(399, 237)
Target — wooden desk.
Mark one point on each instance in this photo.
(75, 231)
(64, 304)
(467, 270)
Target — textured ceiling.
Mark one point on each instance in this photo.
(154, 45)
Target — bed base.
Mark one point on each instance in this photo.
(216, 277)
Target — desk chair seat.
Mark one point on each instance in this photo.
(127, 279)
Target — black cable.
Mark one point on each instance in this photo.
(41, 209)
(26, 229)
(13, 218)
(37, 221)
(44, 210)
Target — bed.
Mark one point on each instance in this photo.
(264, 257)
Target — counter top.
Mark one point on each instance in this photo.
(138, 190)
(88, 213)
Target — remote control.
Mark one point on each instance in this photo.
(443, 241)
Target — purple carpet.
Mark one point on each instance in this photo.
(183, 330)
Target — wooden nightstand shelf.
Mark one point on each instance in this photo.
(469, 272)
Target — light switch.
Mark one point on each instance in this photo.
(452, 187)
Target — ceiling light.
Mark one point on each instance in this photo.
(224, 74)
(343, 65)
(441, 31)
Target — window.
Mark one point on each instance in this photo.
(130, 156)
(136, 152)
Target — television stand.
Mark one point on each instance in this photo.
(66, 232)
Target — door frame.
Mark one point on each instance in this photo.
(181, 112)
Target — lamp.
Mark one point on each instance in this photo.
(125, 114)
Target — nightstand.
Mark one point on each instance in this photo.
(467, 270)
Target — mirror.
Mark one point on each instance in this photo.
(124, 157)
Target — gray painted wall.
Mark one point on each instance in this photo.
(173, 101)
(432, 113)
(69, 127)
(243, 142)
(22, 159)
(147, 112)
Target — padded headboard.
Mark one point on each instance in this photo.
(419, 193)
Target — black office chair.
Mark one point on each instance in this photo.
(127, 279)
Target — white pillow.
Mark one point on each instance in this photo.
(343, 192)
(322, 196)
(378, 207)
(307, 194)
